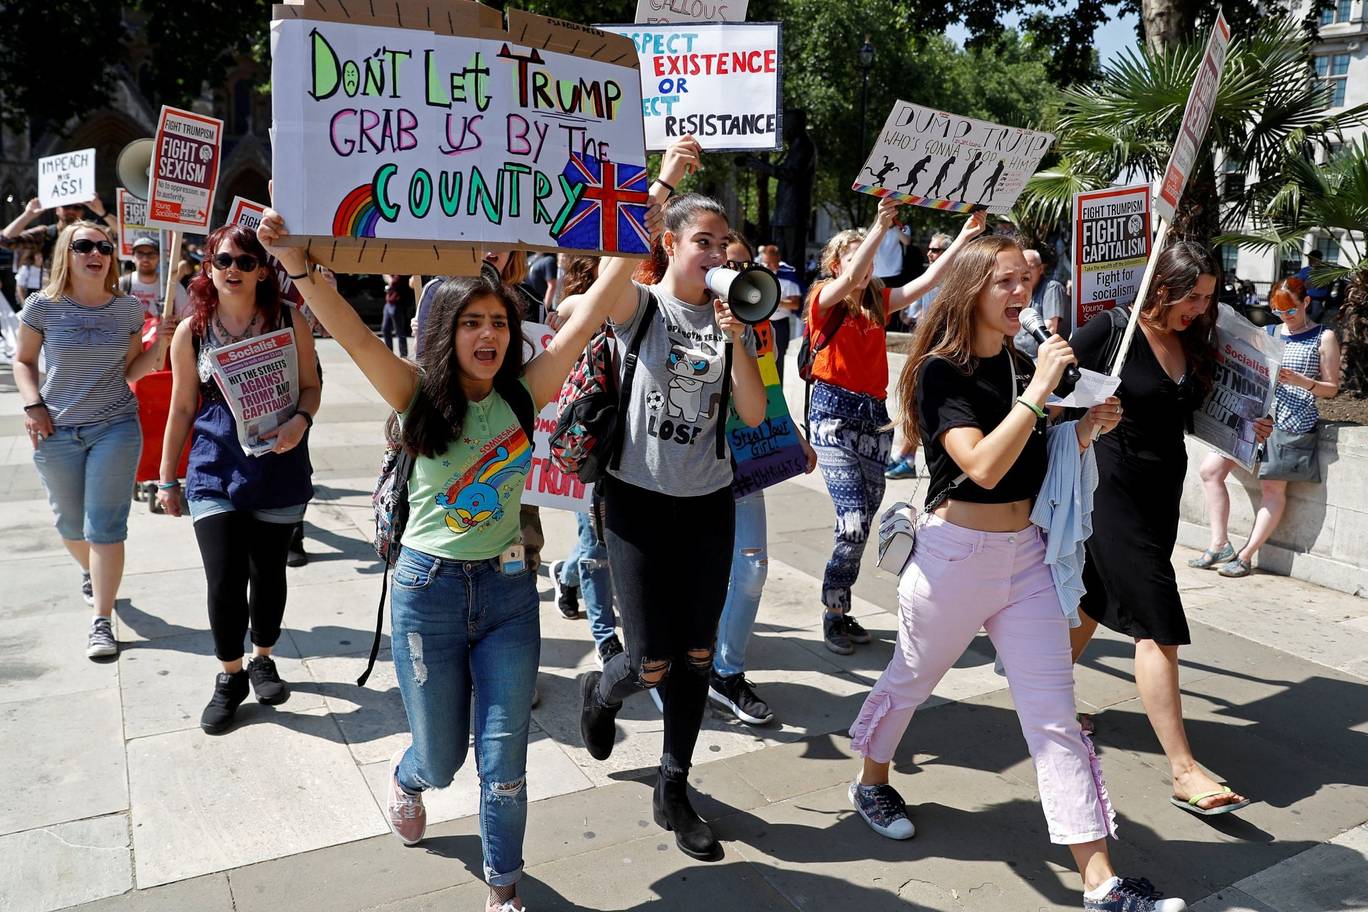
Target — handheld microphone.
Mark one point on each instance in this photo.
(1031, 322)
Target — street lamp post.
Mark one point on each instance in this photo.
(866, 59)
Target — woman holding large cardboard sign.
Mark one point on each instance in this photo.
(847, 422)
(1131, 588)
(464, 616)
(243, 359)
(83, 419)
(979, 562)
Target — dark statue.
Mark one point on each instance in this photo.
(795, 172)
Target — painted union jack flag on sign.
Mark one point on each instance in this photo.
(609, 212)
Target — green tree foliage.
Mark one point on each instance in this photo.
(55, 59)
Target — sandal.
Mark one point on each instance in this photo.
(1193, 805)
(1236, 569)
(1211, 558)
(1085, 722)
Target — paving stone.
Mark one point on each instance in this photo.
(1330, 876)
(59, 866)
(1231, 900)
(278, 784)
(198, 894)
(42, 650)
(63, 759)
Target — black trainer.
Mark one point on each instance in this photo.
(854, 629)
(737, 694)
(296, 556)
(567, 597)
(229, 692)
(266, 683)
(835, 636)
(609, 648)
(598, 721)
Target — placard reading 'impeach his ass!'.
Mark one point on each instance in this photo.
(441, 144)
(931, 158)
(717, 81)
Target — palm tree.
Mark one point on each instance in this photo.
(1269, 108)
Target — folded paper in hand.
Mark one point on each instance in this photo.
(897, 537)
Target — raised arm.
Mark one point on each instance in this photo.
(393, 378)
(842, 285)
(16, 227)
(898, 298)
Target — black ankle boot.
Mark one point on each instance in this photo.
(598, 721)
(673, 812)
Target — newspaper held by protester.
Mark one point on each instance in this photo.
(259, 379)
(1247, 362)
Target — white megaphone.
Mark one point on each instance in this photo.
(135, 166)
(750, 290)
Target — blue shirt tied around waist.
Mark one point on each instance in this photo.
(1064, 511)
(219, 469)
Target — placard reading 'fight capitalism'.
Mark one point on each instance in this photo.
(717, 82)
(1111, 247)
(410, 135)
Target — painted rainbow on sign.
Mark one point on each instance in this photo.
(927, 201)
(357, 214)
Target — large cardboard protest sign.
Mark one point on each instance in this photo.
(1111, 246)
(1196, 119)
(186, 155)
(132, 213)
(719, 82)
(259, 379)
(940, 160)
(1247, 362)
(66, 179)
(656, 11)
(771, 452)
(547, 485)
(411, 137)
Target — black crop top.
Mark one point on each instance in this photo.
(948, 398)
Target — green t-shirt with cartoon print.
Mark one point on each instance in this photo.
(463, 503)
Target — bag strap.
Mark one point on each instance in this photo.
(520, 400)
(725, 403)
(834, 321)
(629, 365)
(403, 468)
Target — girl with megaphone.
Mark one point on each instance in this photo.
(669, 512)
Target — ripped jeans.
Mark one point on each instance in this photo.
(749, 568)
(846, 430)
(671, 558)
(463, 628)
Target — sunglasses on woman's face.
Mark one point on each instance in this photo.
(86, 245)
(245, 261)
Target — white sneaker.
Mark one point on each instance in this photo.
(883, 809)
(101, 642)
(407, 816)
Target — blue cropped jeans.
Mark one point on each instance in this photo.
(463, 628)
(587, 568)
(749, 568)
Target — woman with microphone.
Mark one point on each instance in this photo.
(668, 507)
(979, 562)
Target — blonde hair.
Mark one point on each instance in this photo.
(871, 303)
(59, 280)
(946, 329)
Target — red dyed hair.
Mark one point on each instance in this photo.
(203, 294)
(1290, 292)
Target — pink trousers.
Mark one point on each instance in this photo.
(958, 581)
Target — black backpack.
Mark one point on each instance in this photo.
(390, 502)
(807, 351)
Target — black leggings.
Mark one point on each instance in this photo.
(671, 560)
(242, 552)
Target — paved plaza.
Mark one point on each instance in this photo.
(114, 798)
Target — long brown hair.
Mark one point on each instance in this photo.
(59, 280)
(946, 329)
(871, 302)
(680, 212)
(1176, 271)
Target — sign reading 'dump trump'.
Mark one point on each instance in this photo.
(418, 134)
(719, 82)
(944, 161)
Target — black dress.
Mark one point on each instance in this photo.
(1129, 576)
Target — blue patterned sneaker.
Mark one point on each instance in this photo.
(1130, 894)
(901, 468)
(884, 810)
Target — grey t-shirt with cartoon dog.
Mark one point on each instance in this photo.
(670, 443)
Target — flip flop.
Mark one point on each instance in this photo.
(1193, 804)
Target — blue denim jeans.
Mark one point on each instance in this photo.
(750, 566)
(587, 568)
(88, 474)
(463, 628)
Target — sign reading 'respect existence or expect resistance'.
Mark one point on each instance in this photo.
(1111, 246)
(719, 82)
(66, 179)
(944, 161)
(457, 139)
(185, 170)
(654, 11)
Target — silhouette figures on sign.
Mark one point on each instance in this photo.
(883, 172)
(917, 169)
(940, 176)
(990, 185)
(958, 191)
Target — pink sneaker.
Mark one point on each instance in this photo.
(407, 816)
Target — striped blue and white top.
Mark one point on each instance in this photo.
(1294, 409)
(86, 349)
